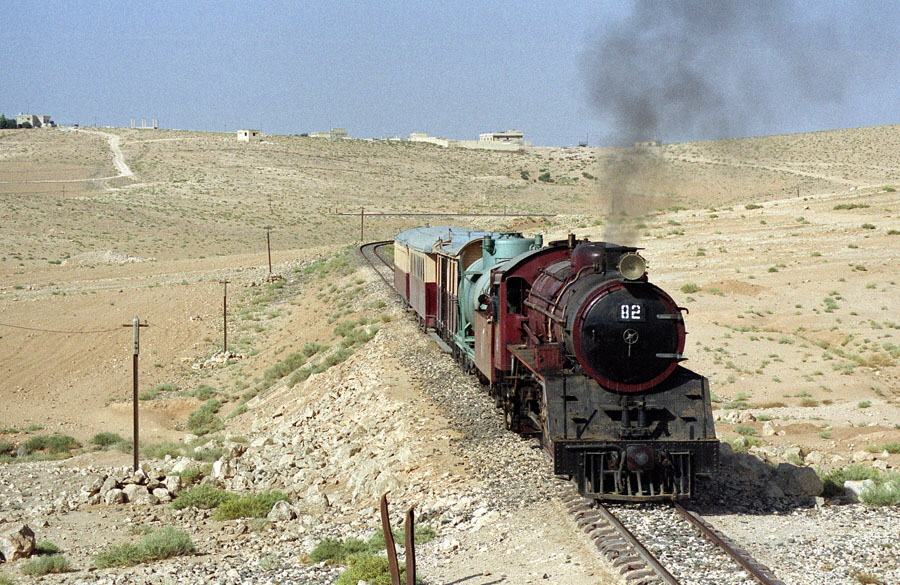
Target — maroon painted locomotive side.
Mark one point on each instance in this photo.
(628, 335)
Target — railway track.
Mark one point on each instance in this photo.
(373, 254)
(649, 544)
(652, 544)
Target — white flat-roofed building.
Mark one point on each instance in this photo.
(509, 137)
(248, 135)
(34, 121)
(333, 134)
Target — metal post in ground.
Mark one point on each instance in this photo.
(393, 565)
(410, 547)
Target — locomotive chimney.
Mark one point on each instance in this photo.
(571, 241)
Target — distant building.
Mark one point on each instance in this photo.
(333, 134)
(248, 135)
(511, 140)
(647, 144)
(154, 124)
(34, 121)
(509, 137)
(424, 137)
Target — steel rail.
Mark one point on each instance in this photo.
(369, 253)
(708, 533)
(639, 548)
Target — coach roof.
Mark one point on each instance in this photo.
(445, 239)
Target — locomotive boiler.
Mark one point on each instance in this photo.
(577, 346)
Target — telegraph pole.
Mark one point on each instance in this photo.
(269, 250)
(225, 282)
(136, 324)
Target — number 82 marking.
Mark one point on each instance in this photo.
(630, 313)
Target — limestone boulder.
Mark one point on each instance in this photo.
(16, 542)
(281, 512)
(854, 489)
(798, 481)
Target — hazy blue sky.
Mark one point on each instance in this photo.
(455, 69)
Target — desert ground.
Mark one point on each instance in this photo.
(784, 249)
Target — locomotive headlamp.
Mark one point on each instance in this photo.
(632, 266)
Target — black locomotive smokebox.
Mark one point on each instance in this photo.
(624, 341)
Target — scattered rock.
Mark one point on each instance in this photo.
(281, 512)
(854, 489)
(16, 542)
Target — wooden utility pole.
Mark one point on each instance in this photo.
(362, 224)
(269, 250)
(136, 344)
(225, 282)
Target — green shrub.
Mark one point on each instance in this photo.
(335, 552)
(106, 439)
(250, 506)
(545, 177)
(204, 392)
(689, 288)
(834, 479)
(54, 444)
(7, 448)
(241, 409)
(189, 475)
(368, 567)
(300, 375)
(163, 543)
(753, 206)
(423, 533)
(160, 450)
(745, 430)
(6, 580)
(885, 494)
(893, 448)
(204, 420)
(166, 542)
(293, 361)
(37, 566)
(157, 390)
(203, 496)
(45, 547)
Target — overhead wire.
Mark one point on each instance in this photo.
(56, 330)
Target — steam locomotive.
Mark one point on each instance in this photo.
(577, 347)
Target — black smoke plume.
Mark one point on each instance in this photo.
(700, 70)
